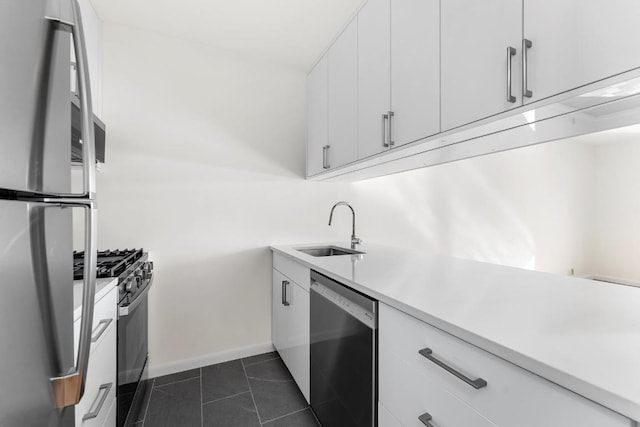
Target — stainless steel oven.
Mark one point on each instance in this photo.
(344, 344)
(133, 339)
(135, 277)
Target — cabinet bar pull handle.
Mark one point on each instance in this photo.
(104, 389)
(325, 157)
(284, 293)
(428, 354)
(101, 327)
(425, 419)
(510, 54)
(390, 135)
(526, 45)
(385, 117)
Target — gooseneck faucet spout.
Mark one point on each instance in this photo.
(354, 240)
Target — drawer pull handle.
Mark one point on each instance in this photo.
(478, 383)
(426, 419)
(102, 326)
(104, 389)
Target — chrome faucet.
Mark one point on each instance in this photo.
(354, 240)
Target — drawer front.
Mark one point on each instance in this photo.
(99, 396)
(105, 317)
(408, 395)
(513, 396)
(294, 271)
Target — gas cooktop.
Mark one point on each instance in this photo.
(109, 264)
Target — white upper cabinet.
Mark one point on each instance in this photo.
(476, 36)
(398, 73)
(415, 69)
(577, 42)
(317, 125)
(407, 71)
(343, 98)
(374, 77)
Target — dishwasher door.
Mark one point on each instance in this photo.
(344, 346)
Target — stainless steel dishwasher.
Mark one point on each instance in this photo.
(344, 347)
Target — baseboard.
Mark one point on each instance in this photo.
(208, 359)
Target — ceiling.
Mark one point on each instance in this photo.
(291, 32)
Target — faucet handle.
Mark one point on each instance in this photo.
(355, 241)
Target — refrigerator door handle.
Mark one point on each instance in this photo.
(84, 89)
(69, 388)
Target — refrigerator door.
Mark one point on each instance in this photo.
(36, 312)
(35, 112)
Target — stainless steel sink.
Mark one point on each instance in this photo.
(329, 251)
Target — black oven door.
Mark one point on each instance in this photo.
(133, 382)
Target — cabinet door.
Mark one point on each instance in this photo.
(298, 345)
(475, 37)
(374, 76)
(415, 69)
(577, 42)
(279, 322)
(343, 98)
(317, 125)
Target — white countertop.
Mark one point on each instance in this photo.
(103, 286)
(581, 334)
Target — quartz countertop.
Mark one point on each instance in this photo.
(581, 334)
(103, 286)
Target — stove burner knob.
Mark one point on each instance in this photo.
(148, 267)
(129, 285)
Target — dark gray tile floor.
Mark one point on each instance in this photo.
(250, 392)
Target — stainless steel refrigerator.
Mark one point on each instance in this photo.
(41, 379)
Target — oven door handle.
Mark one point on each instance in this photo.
(128, 309)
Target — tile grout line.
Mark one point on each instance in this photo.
(286, 415)
(173, 382)
(226, 397)
(262, 361)
(314, 416)
(250, 391)
(146, 409)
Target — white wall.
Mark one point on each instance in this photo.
(204, 164)
(525, 208)
(617, 219)
(205, 158)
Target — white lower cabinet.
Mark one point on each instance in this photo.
(97, 408)
(410, 395)
(411, 385)
(290, 321)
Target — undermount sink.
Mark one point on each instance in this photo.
(329, 251)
